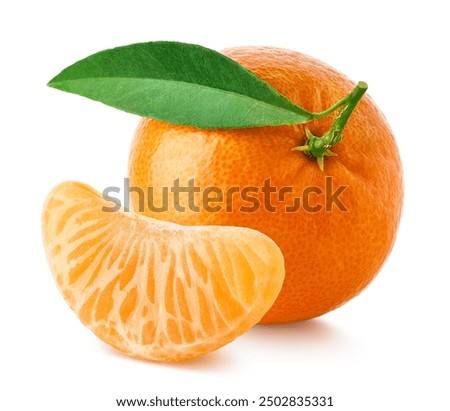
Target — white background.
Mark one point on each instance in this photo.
(385, 350)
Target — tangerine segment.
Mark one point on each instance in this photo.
(153, 289)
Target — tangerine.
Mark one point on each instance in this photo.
(334, 238)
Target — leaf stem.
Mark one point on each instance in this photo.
(319, 147)
(331, 109)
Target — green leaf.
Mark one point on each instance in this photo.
(179, 83)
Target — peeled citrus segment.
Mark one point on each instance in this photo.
(153, 289)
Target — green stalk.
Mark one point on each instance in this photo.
(319, 147)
